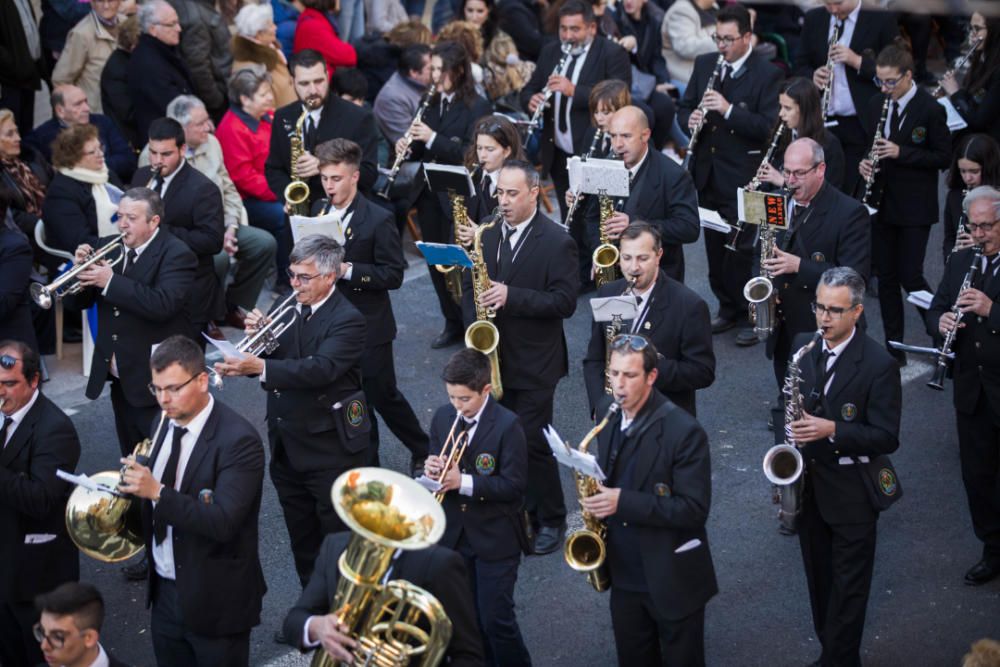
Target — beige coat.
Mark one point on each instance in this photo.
(248, 52)
(88, 47)
(684, 39)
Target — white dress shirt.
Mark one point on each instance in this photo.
(900, 109)
(466, 486)
(564, 140)
(735, 67)
(167, 179)
(17, 418)
(841, 103)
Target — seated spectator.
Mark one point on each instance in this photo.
(398, 100)
(15, 276)
(78, 207)
(687, 33)
(25, 173)
(256, 43)
(204, 46)
(351, 85)
(317, 30)
(71, 108)
(467, 34)
(381, 53)
(115, 97)
(482, 14)
(88, 46)
(245, 137)
(504, 73)
(605, 16)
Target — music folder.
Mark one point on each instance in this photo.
(606, 308)
(598, 177)
(445, 254)
(759, 208)
(452, 179)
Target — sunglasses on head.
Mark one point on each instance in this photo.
(8, 362)
(634, 342)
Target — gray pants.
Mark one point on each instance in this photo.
(254, 259)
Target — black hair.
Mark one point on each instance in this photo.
(81, 601)
(737, 14)
(339, 151)
(637, 228)
(456, 62)
(31, 365)
(412, 58)
(984, 151)
(164, 129)
(650, 357)
(805, 94)
(305, 58)
(577, 8)
(351, 82)
(179, 350)
(469, 368)
(502, 131)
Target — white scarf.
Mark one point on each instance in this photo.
(101, 191)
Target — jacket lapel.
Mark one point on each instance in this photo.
(658, 305)
(148, 259)
(484, 428)
(200, 449)
(644, 188)
(22, 434)
(846, 368)
(645, 455)
(527, 248)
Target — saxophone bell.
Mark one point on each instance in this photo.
(759, 292)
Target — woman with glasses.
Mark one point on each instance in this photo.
(976, 162)
(977, 99)
(496, 140)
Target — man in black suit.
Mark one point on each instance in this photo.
(200, 502)
(661, 193)
(655, 502)
(312, 623)
(193, 213)
(534, 282)
(739, 114)
(483, 496)
(670, 315)
(69, 630)
(915, 144)
(36, 439)
(317, 418)
(862, 34)
(977, 382)
(850, 416)
(15, 276)
(140, 302)
(373, 265)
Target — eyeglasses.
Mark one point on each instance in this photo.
(8, 362)
(799, 174)
(888, 83)
(973, 227)
(634, 342)
(725, 41)
(173, 391)
(835, 312)
(56, 638)
(303, 278)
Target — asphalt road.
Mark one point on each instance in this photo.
(920, 613)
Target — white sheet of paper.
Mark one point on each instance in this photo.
(954, 119)
(82, 480)
(225, 347)
(921, 299)
(597, 176)
(325, 225)
(605, 308)
(712, 220)
(431, 485)
(572, 458)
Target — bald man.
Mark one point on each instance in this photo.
(661, 193)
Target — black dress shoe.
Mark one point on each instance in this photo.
(747, 337)
(447, 338)
(982, 572)
(549, 539)
(720, 324)
(280, 638)
(137, 571)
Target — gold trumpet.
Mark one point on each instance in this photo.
(452, 451)
(69, 283)
(606, 254)
(482, 335)
(265, 339)
(297, 191)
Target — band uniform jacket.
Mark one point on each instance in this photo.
(141, 308)
(667, 502)
(542, 285)
(438, 570)
(835, 232)
(33, 504)
(679, 326)
(339, 119)
(484, 202)
(220, 583)
(193, 212)
(15, 276)
(906, 188)
(663, 195)
(497, 460)
(864, 399)
(316, 365)
(605, 60)
(730, 150)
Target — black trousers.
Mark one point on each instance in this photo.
(133, 424)
(979, 451)
(728, 271)
(436, 227)
(17, 644)
(838, 561)
(379, 384)
(898, 261)
(544, 496)
(855, 144)
(643, 637)
(174, 644)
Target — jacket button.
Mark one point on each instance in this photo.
(114, 337)
(978, 345)
(278, 419)
(624, 524)
(277, 394)
(117, 313)
(463, 507)
(711, 149)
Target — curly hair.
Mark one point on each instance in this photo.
(67, 149)
(466, 34)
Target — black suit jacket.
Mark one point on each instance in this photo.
(193, 213)
(118, 155)
(70, 213)
(220, 582)
(438, 570)
(140, 310)
(873, 31)
(907, 187)
(666, 502)
(605, 60)
(521, 19)
(729, 151)
(33, 503)
(663, 195)
(981, 107)
(497, 459)
(15, 276)
(679, 325)
(837, 232)
(542, 285)
(483, 202)
(339, 119)
(156, 75)
(865, 399)
(317, 365)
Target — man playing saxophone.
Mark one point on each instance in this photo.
(655, 501)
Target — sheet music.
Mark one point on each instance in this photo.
(712, 220)
(596, 176)
(566, 455)
(326, 225)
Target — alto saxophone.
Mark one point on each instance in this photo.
(453, 274)
(701, 123)
(297, 191)
(606, 254)
(945, 355)
(613, 328)
(873, 153)
(759, 291)
(824, 103)
(755, 182)
(483, 335)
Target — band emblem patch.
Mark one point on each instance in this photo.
(887, 482)
(849, 411)
(485, 464)
(355, 412)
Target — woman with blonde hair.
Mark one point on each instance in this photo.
(505, 74)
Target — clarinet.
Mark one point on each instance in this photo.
(873, 154)
(961, 224)
(828, 90)
(701, 123)
(408, 141)
(755, 183)
(536, 118)
(944, 354)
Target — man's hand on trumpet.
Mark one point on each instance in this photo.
(452, 479)
(248, 366)
(97, 274)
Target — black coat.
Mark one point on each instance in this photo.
(140, 310)
(33, 502)
(454, 130)
(542, 285)
(980, 108)
(15, 276)
(953, 215)
(43, 172)
(317, 364)
(220, 583)
(483, 203)
(70, 213)
(116, 99)
(648, 57)
(339, 118)
(156, 75)
(497, 459)
(679, 325)
(438, 570)
(521, 19)
(118, 155)
(666, 502)
(17, 69)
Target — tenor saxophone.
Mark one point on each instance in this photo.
(606, 254)
(453, 274)
(483, 335)
(297, 191)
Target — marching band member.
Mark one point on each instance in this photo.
(496, 140)
(532, 263)
(671, 316)
(69, 629)
(976, 162)
(483, 495)
(655, 502)
(977, 98)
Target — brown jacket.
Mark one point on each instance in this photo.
(88, 46)
(248, 52)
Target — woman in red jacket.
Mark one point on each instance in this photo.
(317, 29)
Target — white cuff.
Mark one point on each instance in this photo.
(431, 140)
(305, 635)
(104, 292)
(728, 112)
(349, 272)
(466, 487)
(263, 374)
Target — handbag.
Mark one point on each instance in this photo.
(880, 481)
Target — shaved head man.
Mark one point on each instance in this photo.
(630, 135)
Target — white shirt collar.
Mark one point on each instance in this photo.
(102, 659)
(141, 249)
(18, 417)
(735, 66)
(839, 349)
(197, 424)
(319, 304)
(905, 99)
(516, 229)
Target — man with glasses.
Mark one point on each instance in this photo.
(156, 71)
(200, 496)
(36, 439)
(739, 113)
(655, 502)
(976, 372)
(69, 630)
(914, 145)
(852, 403)
(317, 417)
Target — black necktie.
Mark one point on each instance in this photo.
(130, 261)
(169, 478)
(307, 312)
(726, 71)
(505, 252)
(840, 31)
(825, 373)
(614, 449)
(563, 100)
(7, 421)
(445, 105)
(893, 118)
(158, 185)
(467, 424)
(310, 134)
(487, 186)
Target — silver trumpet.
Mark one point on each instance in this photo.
(265, 339)
(69, 283)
